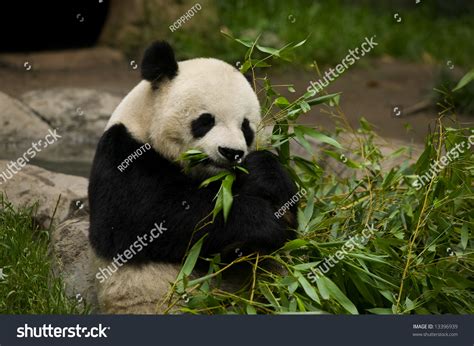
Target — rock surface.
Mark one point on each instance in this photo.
(18, 122)
(78, 116)
(71, 246)
(75, 111)
(33, 184)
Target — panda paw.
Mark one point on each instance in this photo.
(267, 178)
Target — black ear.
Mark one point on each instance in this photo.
(159, 62)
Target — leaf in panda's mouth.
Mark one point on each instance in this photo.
(193, 157)
(224, 197)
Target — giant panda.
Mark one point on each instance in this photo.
(201, 103)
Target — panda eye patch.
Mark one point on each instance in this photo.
(247, 131)
(202, 125)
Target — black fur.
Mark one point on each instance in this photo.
(158, 62)
(152, 189)
(249, 78)
(202, 125)
(248, 132)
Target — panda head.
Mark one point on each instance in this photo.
(201, 103)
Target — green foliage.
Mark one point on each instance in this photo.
(419, 258)
(334, 27)
(224, 197)
(468, 78)
(29, 286)
(192, 157)
(451, 94)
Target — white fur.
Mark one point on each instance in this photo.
(135, 289)
(163, 118)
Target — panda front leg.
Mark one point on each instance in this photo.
(253, 224)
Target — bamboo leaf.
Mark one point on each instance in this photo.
(339, 296)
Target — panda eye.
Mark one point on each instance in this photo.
(202, 125)
(247, 131)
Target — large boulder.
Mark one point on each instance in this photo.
(18, 123)
(74, 111)
(58, 195)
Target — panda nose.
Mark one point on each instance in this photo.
(231, 154)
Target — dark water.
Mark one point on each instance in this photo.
(80, 168)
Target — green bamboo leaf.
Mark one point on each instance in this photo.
(339, 296)
(268, 50)
(214, 178)
(294, 244)
(409, 305)
(269, 295)
(191, 259)
(250, 310)
(245, 66)
(323, 290)
(321, 99)
(301, 140)
(227, 198)
(282, 102)
(240, 168)
(218, 205)
(343, 159)
(305, 266)
(365, 124)
(260, 63)
(310, 291)
(464, 236)
(296, 45)
(301, 305)
(319, 136)
(304, 106)
(468, 77)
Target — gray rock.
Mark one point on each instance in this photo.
(71, 246)
(57, 194)
(79, 113)
(18, 122)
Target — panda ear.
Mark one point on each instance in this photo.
(158, 62)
